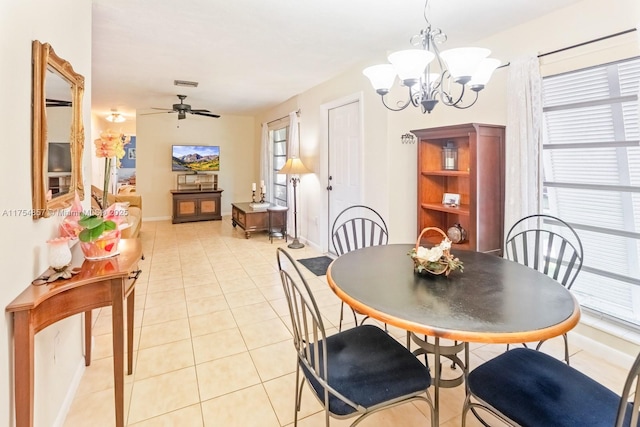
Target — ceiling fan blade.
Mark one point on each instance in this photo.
(57, 103)
(159, 112)
(164, 109)
(197, 113)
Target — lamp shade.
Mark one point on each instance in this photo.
(482, 75)
(410, 63)
(381, 76)
(463, 62)
(294, 166)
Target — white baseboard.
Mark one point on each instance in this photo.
(71, 394)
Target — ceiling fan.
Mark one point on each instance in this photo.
(182, 109)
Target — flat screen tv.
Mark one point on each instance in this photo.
(196, 158)
(59, 157)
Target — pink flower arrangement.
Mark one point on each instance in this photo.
(110, 145)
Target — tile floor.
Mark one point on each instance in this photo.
(213, 346)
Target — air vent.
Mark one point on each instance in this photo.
(185, 83)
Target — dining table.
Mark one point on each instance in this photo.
(493, 300)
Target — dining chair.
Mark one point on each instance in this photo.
(357, 227)
(550, 245)
(356, 372)
(525, 387)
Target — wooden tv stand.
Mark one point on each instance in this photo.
(196, 205)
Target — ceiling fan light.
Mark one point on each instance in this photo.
(463, 62)
(410, 64)
(381, 77)
(483, 73)
(115, 118)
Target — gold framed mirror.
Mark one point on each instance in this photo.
(57, 132)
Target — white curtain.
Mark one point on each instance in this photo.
(293, 142)
(293, 150)
(524, 140)
(266, 164)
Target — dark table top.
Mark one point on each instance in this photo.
(493, 300)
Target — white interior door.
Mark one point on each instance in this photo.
(344, 160)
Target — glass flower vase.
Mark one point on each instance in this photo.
(104, 246)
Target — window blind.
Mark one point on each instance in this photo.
(591, 179)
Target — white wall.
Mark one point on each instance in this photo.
(390, 167)
(66, 25)
(156, 134)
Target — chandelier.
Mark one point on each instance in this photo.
(460, 75)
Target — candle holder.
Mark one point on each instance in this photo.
(262, 196)
(253, 196)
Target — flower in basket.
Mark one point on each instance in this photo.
(436, 260)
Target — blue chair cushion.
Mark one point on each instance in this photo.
(369, 367)
(534, 389)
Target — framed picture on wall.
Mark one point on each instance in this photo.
(131, 153)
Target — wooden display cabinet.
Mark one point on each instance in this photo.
(479, 180)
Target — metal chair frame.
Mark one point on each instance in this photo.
(630, 393)
(309, 339)
(535, 247)
(356, 233)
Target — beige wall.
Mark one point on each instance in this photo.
(390, 167)
(156, 134)
(66, 25)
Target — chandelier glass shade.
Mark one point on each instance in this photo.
(454, 78)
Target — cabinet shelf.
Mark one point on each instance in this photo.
(479, 181)
(201, 182)
(460, 210)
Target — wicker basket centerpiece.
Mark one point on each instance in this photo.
(437, 260)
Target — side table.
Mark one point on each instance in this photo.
(107, 282)
(277, 222)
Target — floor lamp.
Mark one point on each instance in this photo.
(294, 166)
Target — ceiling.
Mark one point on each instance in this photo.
(248, 55)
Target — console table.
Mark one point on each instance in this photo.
(250, 219)
(107, 282)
